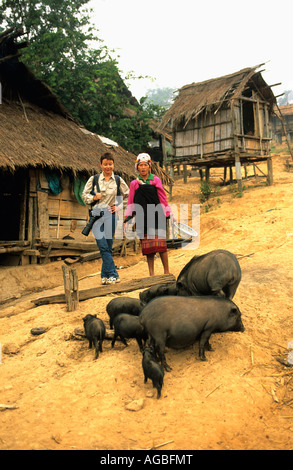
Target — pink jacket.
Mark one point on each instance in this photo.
(161, 194)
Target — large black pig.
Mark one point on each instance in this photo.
(215, 273)
(178, 322)
(123, 305)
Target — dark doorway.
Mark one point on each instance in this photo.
(12, 193)
(248, 118)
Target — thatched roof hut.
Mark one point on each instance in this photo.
(211, 95)
(223, 119)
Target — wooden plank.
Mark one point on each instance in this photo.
(70, 209)
(127, 286)
(72, 244)
(43, 215)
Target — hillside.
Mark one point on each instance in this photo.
(241, 398)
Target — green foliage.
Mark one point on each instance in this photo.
(65, 52)
(206, 191)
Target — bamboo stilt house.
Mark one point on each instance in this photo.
(46, 157)
(222, 122)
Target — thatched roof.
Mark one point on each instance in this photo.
(195, 98)
(285, 109)
(33, 137)
(36, 130)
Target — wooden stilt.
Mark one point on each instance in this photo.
(238, 173)
(270, 171)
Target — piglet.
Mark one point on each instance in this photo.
(128, 326)
(123, 305)
(152, 369)
(95, 331)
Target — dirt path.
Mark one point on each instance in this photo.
(241, 398)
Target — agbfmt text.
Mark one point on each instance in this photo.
(168, 459)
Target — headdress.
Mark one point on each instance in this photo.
(143, 157)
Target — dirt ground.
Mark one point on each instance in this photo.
(53, 395)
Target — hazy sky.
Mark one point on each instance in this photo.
(180, 42)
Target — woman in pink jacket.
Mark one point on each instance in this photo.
(147, 201)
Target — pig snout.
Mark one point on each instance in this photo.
(234, 321)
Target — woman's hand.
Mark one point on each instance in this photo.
(113, 208)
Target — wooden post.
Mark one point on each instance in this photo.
(270, 171)
(238, 173)
(207, 174)
(185, 173)
(71, 288)
(231, 174)
(225, 173)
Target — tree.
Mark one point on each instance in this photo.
(65, 52)
(159, 99)
(287, 98)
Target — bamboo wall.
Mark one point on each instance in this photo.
(226, 130)
(54, 217)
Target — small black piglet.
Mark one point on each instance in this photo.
(152, 369)
(95, 331)
(128, 326)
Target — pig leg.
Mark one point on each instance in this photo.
(160, 348)
(230, 290)
(123, 340)
(208, 346)
(114, 340)
(158, 386)
(158, 344)
(203, 343)
(96, 344)
(139, 342)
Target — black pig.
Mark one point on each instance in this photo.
(177, 322)
(152, 369)
(123, 305)
(215, 273)
(128, 326)
(95, 331)
(157, 291)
